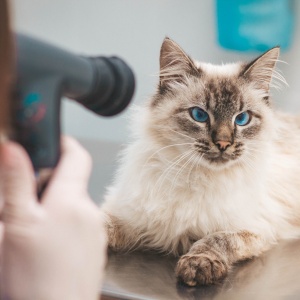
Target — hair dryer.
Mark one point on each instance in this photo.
(45, 74)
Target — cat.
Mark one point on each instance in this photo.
(213, 172)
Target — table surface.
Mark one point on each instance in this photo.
(275, 275)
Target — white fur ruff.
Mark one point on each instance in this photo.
(169, 208)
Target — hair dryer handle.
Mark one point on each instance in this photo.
(38, 121)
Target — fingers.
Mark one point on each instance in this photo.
(73, 170)
(1, 234)
(75, 164)
(17, 178)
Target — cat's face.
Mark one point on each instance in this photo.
(217, 115)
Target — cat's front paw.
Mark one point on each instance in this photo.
(201, 269)
(116, 238)
(120, 237)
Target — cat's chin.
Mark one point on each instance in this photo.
(218, 161)
(218, 157)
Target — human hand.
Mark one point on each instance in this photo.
(55, 248)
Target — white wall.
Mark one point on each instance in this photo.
(134, 30)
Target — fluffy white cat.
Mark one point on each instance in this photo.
(213, 171)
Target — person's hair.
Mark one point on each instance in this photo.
(6, 66)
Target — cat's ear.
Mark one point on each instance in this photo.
(262, 69)
(175, 64)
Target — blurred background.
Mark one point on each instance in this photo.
(134, 30)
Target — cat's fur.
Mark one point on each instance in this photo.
(176, 192)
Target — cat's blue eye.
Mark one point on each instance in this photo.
(242, 119)
(198, 114)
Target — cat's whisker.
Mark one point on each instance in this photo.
(249, 157)
(281, 61)
(191, 154)
(199, 160)
(243, 164)
(253, 146)
(255, 151)
(163, 176)
(180, 133)
(254, 155)
(195, 165)
(180, 171)
(261, 148)
(171, 78)
(247, 163)
(159, 150)
(277, 76)
(261, 143)
(250, 149)
(191, 169)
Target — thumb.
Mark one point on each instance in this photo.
(17, 176)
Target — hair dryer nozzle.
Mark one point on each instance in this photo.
(113, 86)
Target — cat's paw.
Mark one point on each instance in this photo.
(119, 237)
(201, 269)
(114, 234)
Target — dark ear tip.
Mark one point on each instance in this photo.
(277, 47)
(166, 40)
(167, 43)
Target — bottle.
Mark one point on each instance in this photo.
(246, 25)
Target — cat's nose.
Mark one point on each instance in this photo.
(223, 145)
